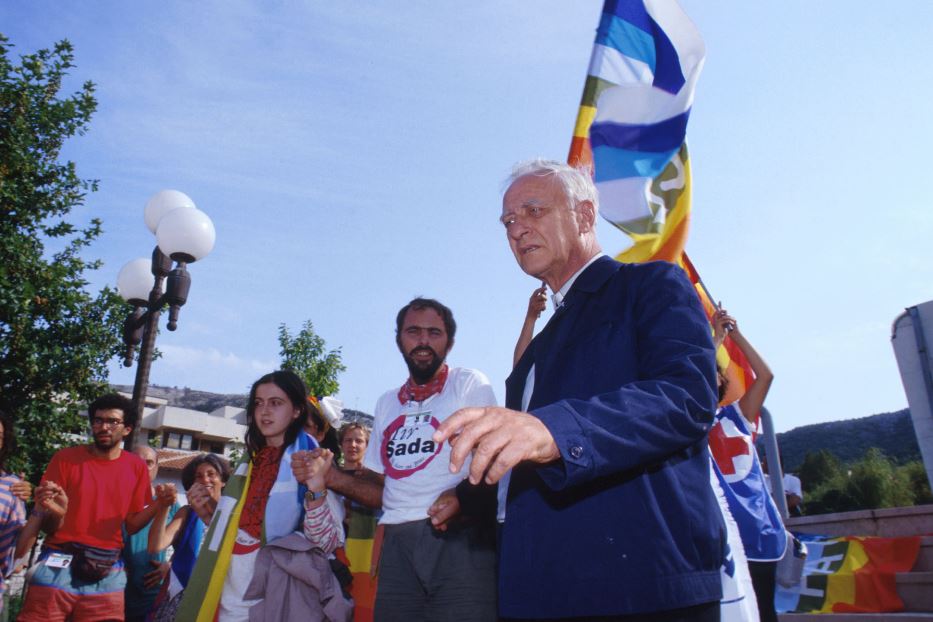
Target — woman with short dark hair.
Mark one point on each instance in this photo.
(203, 478)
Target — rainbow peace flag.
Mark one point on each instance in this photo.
(849, 575)
(631, 129)
(632, 122)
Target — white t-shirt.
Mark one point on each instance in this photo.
(791, 484)
(401, 447)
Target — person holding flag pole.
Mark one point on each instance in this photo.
(739, 471)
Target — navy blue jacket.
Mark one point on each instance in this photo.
(625, 521)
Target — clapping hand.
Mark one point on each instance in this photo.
(166, 495)
(51, 498)
(202, 501)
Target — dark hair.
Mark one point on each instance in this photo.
(331, 442)
(426, 303)
(9, 439)
(723, 382)
(297, 394)
(317, 417)
(114, 401)
(191, 469)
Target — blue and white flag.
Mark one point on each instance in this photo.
(652, 53)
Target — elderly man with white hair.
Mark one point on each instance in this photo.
(609, 512)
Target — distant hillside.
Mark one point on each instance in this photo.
(206, 401)
(848, 440)
(357, 416)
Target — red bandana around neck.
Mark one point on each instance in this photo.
(411, 392)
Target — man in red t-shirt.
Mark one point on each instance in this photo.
(87, 494)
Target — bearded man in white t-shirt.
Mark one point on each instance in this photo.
(426, 573)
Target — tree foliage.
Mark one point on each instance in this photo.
(306, 354)
(917, 476)
(818, 468)
(871, 483)
(56, 338)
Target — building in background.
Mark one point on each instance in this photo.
(179, 434)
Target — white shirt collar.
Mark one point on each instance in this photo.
(558, 297)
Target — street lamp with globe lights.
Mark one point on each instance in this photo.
(184, 234)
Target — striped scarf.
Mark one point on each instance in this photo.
(284, 513)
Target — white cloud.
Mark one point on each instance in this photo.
(207, 369)
(187, 358)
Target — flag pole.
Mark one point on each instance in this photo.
(695, 276)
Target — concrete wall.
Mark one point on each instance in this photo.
(912, 338)
(889, 522)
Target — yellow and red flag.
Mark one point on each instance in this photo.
(850, 575)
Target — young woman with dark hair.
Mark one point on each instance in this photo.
(275, 490)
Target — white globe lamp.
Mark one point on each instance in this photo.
(186, 235)
(135, 281)
(162, 203)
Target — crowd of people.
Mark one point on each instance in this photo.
(599, 491)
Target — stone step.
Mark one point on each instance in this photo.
(916, 590)
(856, 617)
(925, 557)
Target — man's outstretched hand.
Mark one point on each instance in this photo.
(499, 438)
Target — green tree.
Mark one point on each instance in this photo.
(877, 483)
(917, 476)
(871, 483)
(817, 469)
(56, 337)
(306, 354)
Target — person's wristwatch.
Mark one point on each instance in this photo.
(314, 496)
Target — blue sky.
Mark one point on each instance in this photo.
(352, 155)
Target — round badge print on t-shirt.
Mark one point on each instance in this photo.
(407, 446)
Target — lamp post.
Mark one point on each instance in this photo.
(184, 234)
